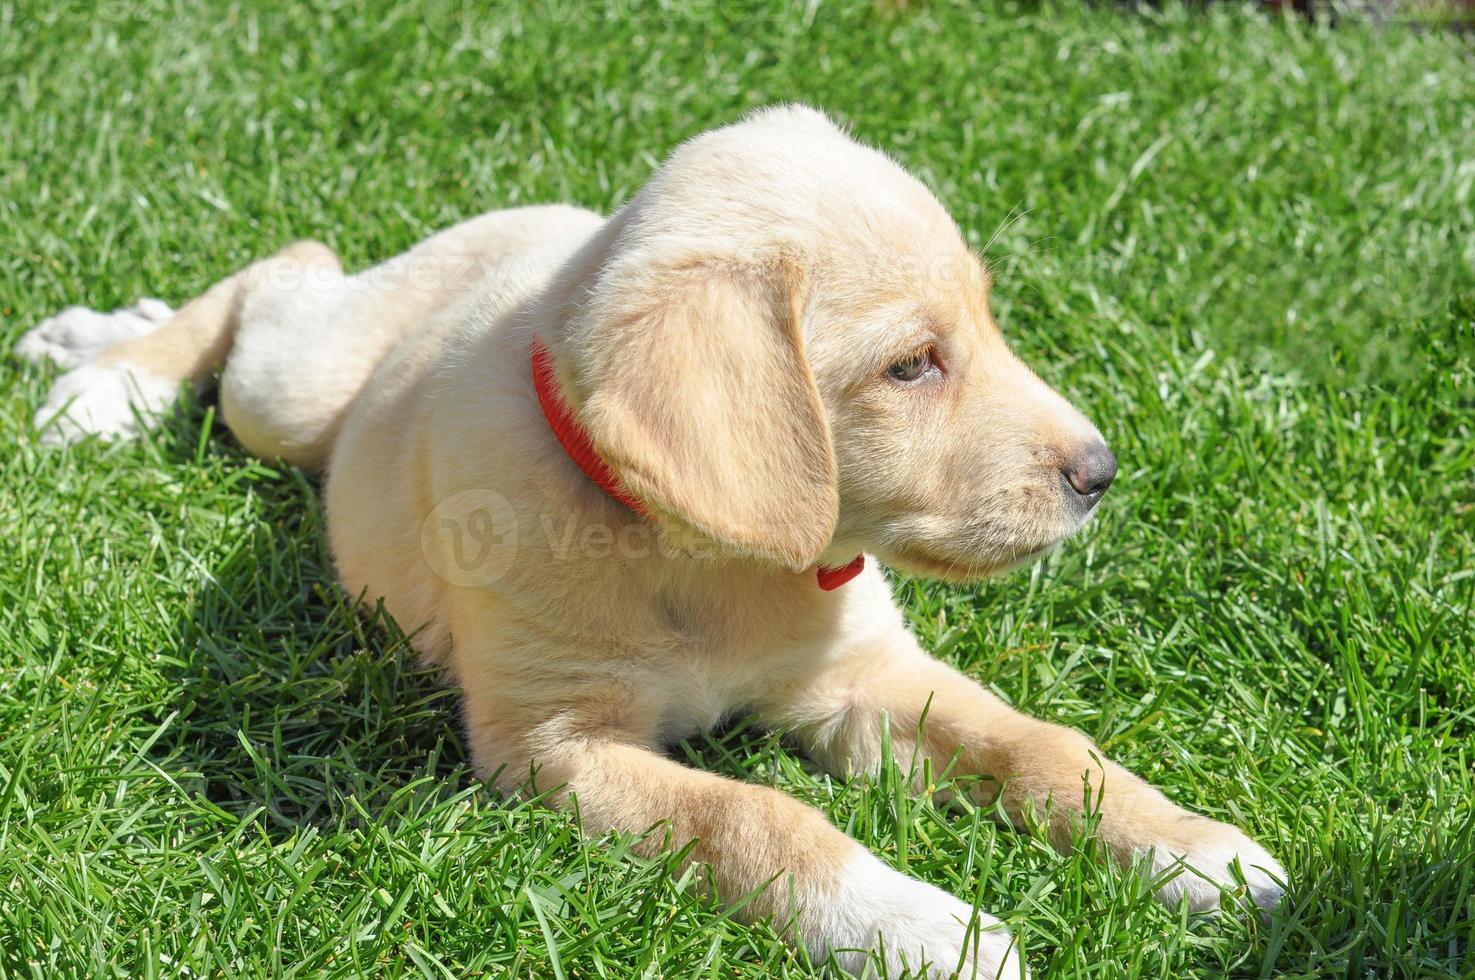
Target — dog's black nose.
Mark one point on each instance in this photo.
(1089, 472)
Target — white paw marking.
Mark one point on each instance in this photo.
(77, 335)
(880, 913)
(1204, 873)
(101, 400)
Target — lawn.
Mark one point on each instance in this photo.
(1245, 247)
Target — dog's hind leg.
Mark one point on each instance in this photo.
(128, 367)
(76, 335)
(308, 344)
(298, 338)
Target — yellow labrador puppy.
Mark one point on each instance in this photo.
(627, 476)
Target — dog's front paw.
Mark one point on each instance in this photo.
(879, 917)
(77, 335)
(105, 400)
(1201, 857)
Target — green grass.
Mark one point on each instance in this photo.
(1245, 247)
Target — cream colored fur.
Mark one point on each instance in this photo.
(725, 338)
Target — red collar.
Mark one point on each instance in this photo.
(575, 441)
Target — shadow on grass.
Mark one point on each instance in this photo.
(293, 701)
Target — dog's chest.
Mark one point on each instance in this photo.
(701, 698)
(726, 657)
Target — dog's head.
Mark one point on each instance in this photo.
(783, 345)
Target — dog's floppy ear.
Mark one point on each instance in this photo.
(699, 396)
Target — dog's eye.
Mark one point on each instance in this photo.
(912, 368)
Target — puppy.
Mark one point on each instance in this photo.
(626, 477)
